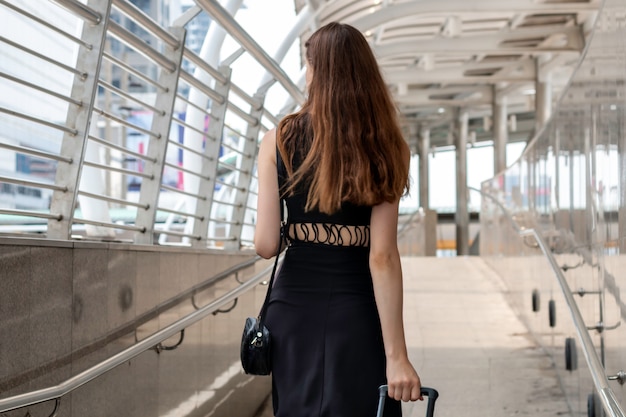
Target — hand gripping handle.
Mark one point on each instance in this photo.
(431, 393)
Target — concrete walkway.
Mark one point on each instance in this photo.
(465, 340)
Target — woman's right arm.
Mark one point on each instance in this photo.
(266, 234)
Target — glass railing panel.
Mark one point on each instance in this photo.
(568, 186)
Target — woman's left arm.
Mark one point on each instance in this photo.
(404, 383)
(266, 234)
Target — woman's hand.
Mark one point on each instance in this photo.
(403, 381)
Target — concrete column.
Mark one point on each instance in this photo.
(543, 97)
(462, 215)
(531, 183)
(587, 157)
(621, 214)
(500, 131)
(424, 147)
(571, 186)
(557, 169)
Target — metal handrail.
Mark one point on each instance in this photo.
(600, 379)
(139, 17)
(80, 10)
(69, 385)
(407, 223)
(598, 374)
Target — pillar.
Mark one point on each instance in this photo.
(462, 215)
(621, 155)
(424, 147)
(543, 97)
(500, 131)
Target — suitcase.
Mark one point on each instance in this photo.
(431, 393)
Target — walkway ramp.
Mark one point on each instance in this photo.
(467, 342)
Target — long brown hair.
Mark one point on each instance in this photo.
(357, 153)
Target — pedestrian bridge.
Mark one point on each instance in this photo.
(128, 139)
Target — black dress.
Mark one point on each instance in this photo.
(327, 348)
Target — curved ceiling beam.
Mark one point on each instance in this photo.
(458, 7)
(506, 42)
(450, 96)
(470, 98)
(523, 70)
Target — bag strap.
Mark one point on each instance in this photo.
(279, 162)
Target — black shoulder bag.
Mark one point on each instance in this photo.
(256, 342)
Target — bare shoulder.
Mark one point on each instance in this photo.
(269, 138)
(268, 146)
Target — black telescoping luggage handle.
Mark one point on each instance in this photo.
(431, 393)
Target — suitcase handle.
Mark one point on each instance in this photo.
(431, 393)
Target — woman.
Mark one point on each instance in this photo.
(335, 312)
